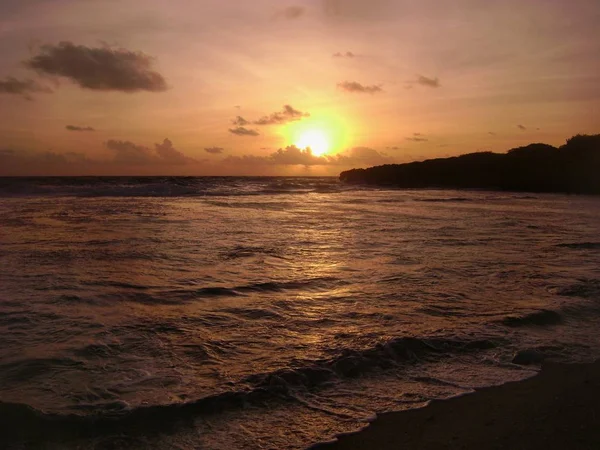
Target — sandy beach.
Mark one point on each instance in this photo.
(558, 409)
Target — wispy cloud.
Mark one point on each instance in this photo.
(417, 137)
(243, 131)
(291, 12)
(344, 55)
(76, 128)
(12, 85)
(288, 114)
(101, 69)
(428, 82)
(239, 121)
(355, 87)
(521, 127)
(214, 150)
(294, 156)
(128, 153)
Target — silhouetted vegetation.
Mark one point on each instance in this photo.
(572, 168)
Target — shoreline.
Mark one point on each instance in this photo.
(557, 409)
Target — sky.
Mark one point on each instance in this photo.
(271, 87)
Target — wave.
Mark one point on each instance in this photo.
(589, 289)
(311, 284)
(539, 318)
(164, 186)
(249, 251)
(443, 200)
(581, 245)
(25, 422)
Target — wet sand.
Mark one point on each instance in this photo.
(558, 409)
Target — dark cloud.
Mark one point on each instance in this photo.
(128, 153)
(393, 148)
(292, 12)
(293, 156)
(127, 158)
(353, 86)
(491, 133)
(288, 114)
(417, 137)
(214, 150)
(12, 85)
(102, 69)
(40, 163)
(243, 131)
(344, 55)
(429, 82)
(76, 128)
(239, 121)
(170, 154)
(521, 127)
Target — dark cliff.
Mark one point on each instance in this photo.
(573, 168)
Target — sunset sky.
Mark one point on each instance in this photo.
(231, 87)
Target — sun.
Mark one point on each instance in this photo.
(316, 140)
(325, 133)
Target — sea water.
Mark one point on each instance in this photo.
(272, 313)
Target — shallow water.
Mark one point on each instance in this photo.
(274, 312)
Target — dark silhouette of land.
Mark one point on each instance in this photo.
(571, 168)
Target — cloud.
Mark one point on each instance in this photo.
(128, 153)
(291, 12)
(76, 128)
(417, 137)
(521, 127)
(353, 86)
(170, 154)
(344, 55)
(288, 114)
(491, 133)
(243, 131)
(127, 158)
(41, 163)
(429, 82)
(294, 156)
(239, 121)
(11, 85)
(101, 69)
(214, 150)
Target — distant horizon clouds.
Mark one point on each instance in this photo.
(249, 76)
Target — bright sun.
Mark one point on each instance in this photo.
(317, 140)
(324, 134)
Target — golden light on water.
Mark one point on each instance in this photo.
(323, 135)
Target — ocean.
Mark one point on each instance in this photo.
(274, 313)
